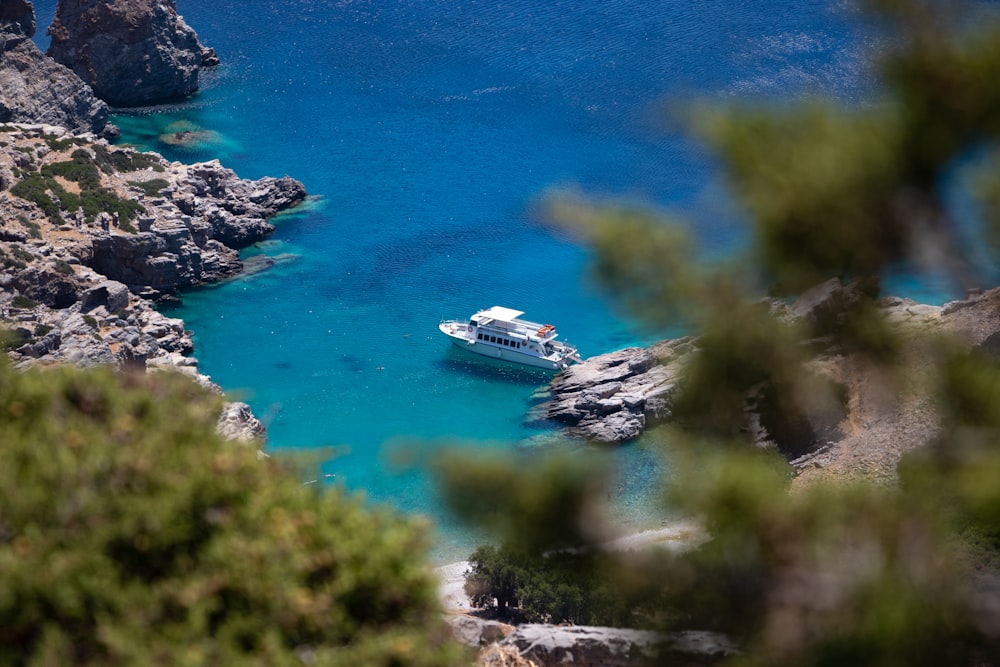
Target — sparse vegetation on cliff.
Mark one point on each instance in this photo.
(43, 189)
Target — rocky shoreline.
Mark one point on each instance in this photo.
(94, 235)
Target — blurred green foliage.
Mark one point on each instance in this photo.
(828, 573)
(564, 587)
(131, 534)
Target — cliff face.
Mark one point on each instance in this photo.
(34, 88)
(17, 17)
(131, 52)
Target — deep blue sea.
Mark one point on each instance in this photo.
(426, 131)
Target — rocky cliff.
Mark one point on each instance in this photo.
(131, 52)
(36, 89)
(92, 234)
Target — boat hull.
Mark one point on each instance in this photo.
(462, 336)
(509, 355)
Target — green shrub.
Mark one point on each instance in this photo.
(80, 169)
(36, 188)
(101, 200)
(151, 187)
(7, 260)
(124, 161)
(11, 339)
(554, 588)
(63, 267)
(42, 329)
(21, 301)
(22, 254)
(93, 198)
(163, 544)
(57, 144)
(33, 229)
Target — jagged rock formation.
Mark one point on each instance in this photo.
(90, 234)
(206, 206)
(131, 52)
(36, 89)
(615, 397)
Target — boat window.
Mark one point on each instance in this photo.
(479, 336)
(493, 339)
(517, 345)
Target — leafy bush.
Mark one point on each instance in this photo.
(57, 144)
(895, 567)
(552, 588)
(11, 339)
(93, 198)
(81, 168)
(21, 301)
(33, 229)
(22, 254)
(63, 267)
(151, 187)
(36, 188)
(132, 534)
(125, 161)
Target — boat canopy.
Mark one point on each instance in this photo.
(500, 313)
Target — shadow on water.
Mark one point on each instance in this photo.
(353, 364)
(485, 368)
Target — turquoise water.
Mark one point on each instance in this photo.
(425, 132)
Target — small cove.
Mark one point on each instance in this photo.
(426, 133)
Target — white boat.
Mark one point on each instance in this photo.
(499, 333)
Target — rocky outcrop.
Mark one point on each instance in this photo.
(551, 645)
(476, 632)
(191, 230)
(238, 422)
(77, 285)
(615, 397)
(131, 52)
(36, 89)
